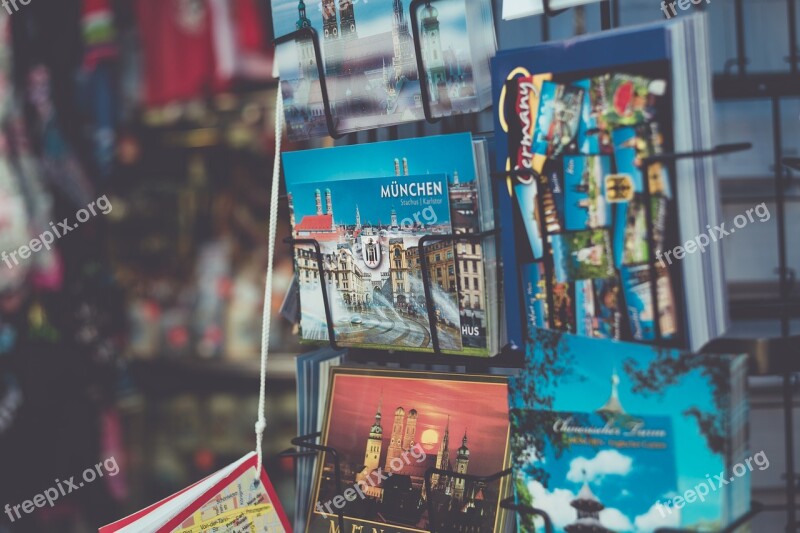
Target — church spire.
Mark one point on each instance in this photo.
(587, 507)
(302, 18)
(613, 405)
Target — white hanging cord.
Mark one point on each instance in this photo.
(261, 424)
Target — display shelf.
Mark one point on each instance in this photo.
(774, 356)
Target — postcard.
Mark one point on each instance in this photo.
(553, 197)
(563, 315)
(235, 498)
(370, 66)
(558, 119)
(582, 255)
(598, 306)
(541, 203)
(457, 269)
(536, 293)
(585, 204)
(527, 199)
(639, 300)
(700, 394)
(588, 130)
(369, 231)
(632, 145)
(626, 100)
(471, 268)
(455, 54)
(604, 469)
(390, 426)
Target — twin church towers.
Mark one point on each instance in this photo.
(403, 439)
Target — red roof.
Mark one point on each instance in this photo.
(315, 223)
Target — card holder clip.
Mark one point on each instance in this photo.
(309, 34)
(520, 508)
(421, 72)
(304, 441)
(323, 286)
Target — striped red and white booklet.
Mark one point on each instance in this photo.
(230, 500)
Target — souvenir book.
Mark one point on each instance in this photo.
(388, 428)
(369, 63)
(599, 470)
(682, 413)
(590, 212)
(235, 498)
(369, 207)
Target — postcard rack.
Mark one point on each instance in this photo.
(510, 356)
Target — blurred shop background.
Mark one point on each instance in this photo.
(138, 335)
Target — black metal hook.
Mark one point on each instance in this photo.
(323, 287)
(422, 74)
(303, 441)
(511, 505)
(720, 149)
(310, 33)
